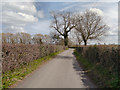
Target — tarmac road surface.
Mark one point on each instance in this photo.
(63, 71)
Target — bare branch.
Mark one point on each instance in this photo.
(63, 24)
(90, 25)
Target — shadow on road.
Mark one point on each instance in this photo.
(87, 82)
(64, 57)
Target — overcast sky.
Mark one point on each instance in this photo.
(34, 17)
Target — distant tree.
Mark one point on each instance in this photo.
(4, 38)
(25, 38)
(79, 39)
(75, 37)
(17, 37)
(63, 23)
(56, 38)
(7, 38)
(37, 39)
(46, 39)
(90, 26)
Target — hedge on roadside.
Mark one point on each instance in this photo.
(105, 58)
(15, 55)
(105, 55)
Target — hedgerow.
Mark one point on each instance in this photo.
(15, 55)
(104, 60)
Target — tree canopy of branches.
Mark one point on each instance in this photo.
(56, 39)
(78, 37)
(37, 38)
(63, 23)
(25, 38)
(90, 26)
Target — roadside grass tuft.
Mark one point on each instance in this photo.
(100, 75)
(11, 77)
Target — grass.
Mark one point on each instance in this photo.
(11, 77)
(100, 75)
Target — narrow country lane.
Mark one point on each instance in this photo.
(63, 71)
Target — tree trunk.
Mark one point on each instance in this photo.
(85, 42)
(66, 40)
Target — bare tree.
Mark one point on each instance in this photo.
(78, 37)
(46, 39)
(25, 38)
(63, 23)
(55, 36)
(4, 38)
(37, 38)
(90, 26)
(75, 37)
(7, 38)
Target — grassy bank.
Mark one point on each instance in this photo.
(100, 75)
(11, 77)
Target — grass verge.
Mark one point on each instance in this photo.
(11, 77)
(100, 75)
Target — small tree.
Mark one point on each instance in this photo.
(4, 38)
(75, 37)
(25, 38)
(90, 26)
(63, 23)
(46, 39)
(55, 37)
(78, 37)
(37, 38)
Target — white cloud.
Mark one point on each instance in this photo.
(16, 15)
(40, 14)
(42, 27)
(98, 11)
(111, 19)
(14, 29)
(23, 7)
(17, 18)
(69, 7)
(18, 0)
